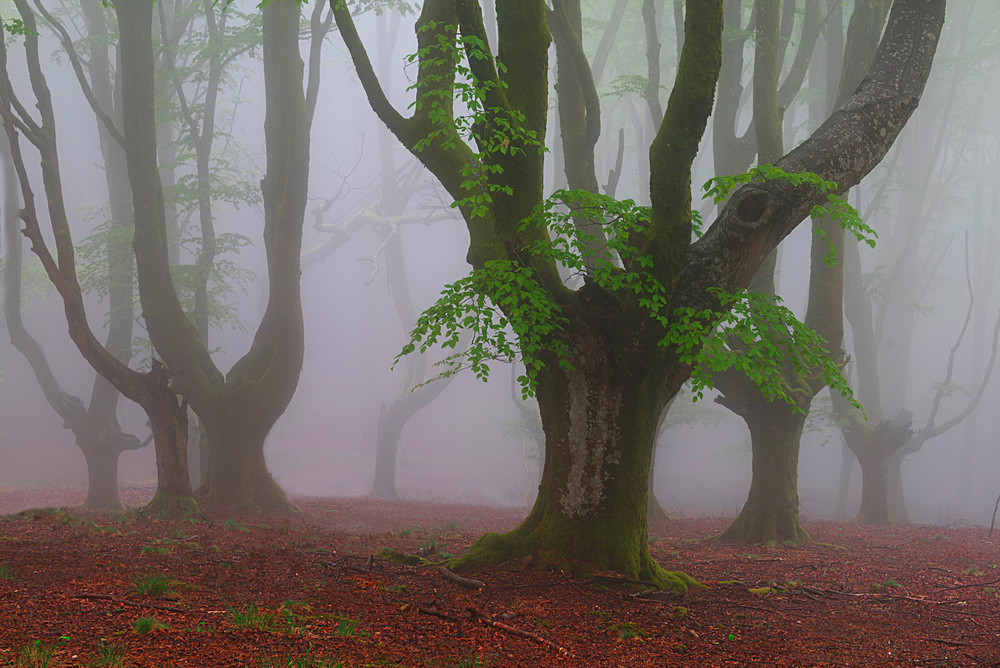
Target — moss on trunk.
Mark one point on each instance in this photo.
(591, 507)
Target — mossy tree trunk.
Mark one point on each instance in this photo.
(239, 409)
(600, 424)
(600, 417)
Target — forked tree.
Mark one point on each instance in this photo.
(238, 408)
(604, 368)
(152, 390)
(771, 512)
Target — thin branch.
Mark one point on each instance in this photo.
(74, 59)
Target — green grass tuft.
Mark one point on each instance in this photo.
(145, 625)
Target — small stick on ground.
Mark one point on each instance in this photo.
(136, 604)
(518, 632)
(459, 580)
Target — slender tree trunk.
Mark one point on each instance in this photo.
(771, 512)
(390, 431)
(847, 460)
(169, 423)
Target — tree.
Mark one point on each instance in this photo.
(168, 419)
(883, 314)
(771, 512)
(96, 427)
(603, 368)
(237, 409)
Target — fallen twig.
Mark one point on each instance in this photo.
(955, 643)
(468, 583)
(136, 604)
(435, 612)
(519, 632)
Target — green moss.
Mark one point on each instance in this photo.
(521, 544)
(172, 506)
(390, 554)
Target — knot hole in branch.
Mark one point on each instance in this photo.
(751, 207)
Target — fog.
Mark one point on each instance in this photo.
(942, 176)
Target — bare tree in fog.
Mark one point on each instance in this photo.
(882, 315)
(167, 418)
(238, 409)
(95, 428)
(600, 410)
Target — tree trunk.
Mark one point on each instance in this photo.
(894, 488)
(237, 472)
(844, 482)
(102, 476)
(169, 423)
(771, 512)
(874, 487)
(600, 425)
(239, 408)
(390, 430)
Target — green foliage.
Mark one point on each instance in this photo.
(252, 616)
(233, 525)
(496, 130)
(756, 335)
(837, 208)
(16, 27)
(492, 302)
(6, 572)
(511, 317)
(307, 660)
(627, 84)
(145, 625)
(38, 654)
(348, 628)
(628, 630)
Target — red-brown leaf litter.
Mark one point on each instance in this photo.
(80, 588)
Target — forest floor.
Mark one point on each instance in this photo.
(80, 588)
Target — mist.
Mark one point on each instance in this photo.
(934, 203)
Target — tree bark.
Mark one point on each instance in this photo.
(599, 427)
(771, 512)
(150, 390)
